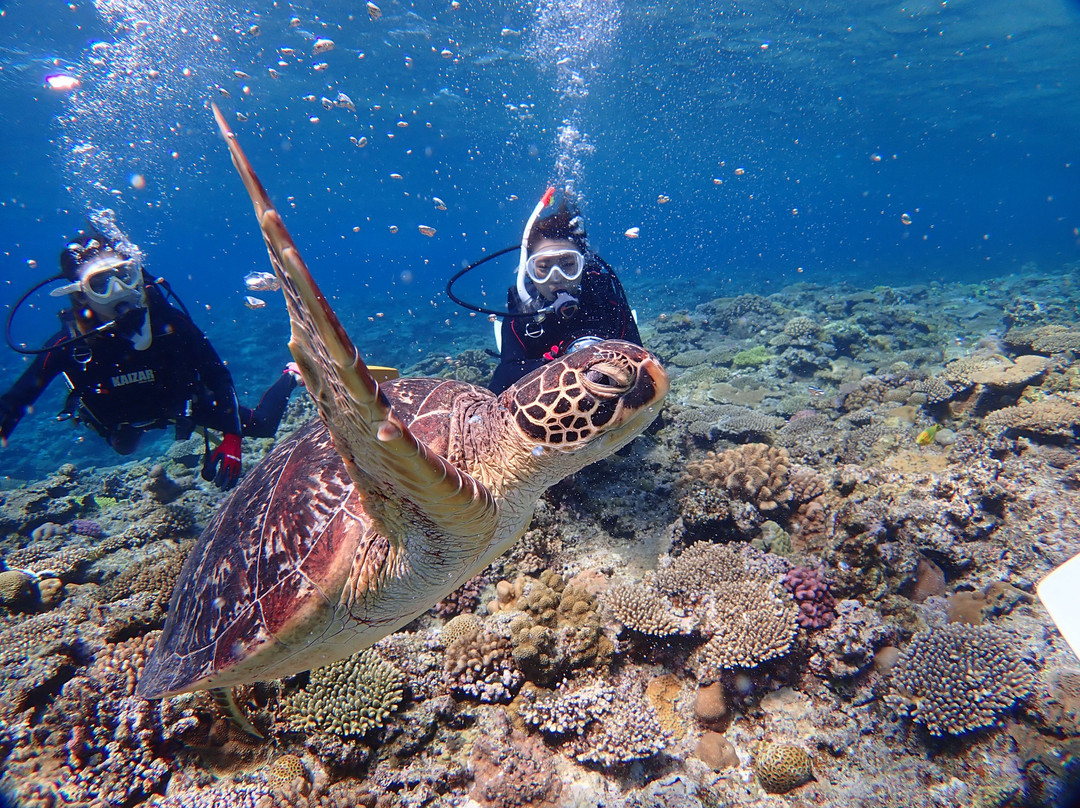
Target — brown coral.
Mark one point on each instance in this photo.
(781, 767)
(755, 472)
(480, 665)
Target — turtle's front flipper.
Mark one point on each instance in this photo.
(386, 462)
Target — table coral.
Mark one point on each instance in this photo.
(752, 622)
(959, 678)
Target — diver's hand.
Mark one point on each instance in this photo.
(222, 466)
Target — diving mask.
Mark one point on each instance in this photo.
(107, 279)
(548, 265)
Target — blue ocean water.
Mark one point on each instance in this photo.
(878, 142)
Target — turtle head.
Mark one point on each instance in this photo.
(589, 403)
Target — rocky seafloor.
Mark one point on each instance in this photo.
(810, 584)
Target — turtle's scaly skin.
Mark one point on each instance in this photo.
(394, 497)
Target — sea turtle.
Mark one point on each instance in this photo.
(396, 495)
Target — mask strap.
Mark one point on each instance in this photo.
(545, 200)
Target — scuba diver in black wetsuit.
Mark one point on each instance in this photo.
(134, 362)
(566, 296)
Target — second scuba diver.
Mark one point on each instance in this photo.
(134, 362)
(566, 297)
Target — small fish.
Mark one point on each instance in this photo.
(261, 282)
(663, 199)
(320, 66)
(426, 230)
(373, 11)
(326, 102)
(633, 232)
(322, 46)
(345, 102)
(926, 437)
(226, 700)
(240, 74)
(439, 204)
(814, 391)
(254, 303)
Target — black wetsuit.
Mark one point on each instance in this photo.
(121, 392)
(528, 343)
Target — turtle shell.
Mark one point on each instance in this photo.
(268, 575)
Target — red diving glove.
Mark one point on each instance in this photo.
(223, 464)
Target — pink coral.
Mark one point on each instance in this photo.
(810, 588)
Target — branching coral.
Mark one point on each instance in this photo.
(480, 665)
(348, 698)
(754, 473)
(600, 723)
(752, 623)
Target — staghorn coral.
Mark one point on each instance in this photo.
(959, 678)
(810, 588)
(781, 767)
(752, 622)
(480, 665)
(348, 698)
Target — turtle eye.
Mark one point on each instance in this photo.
(607, 378)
